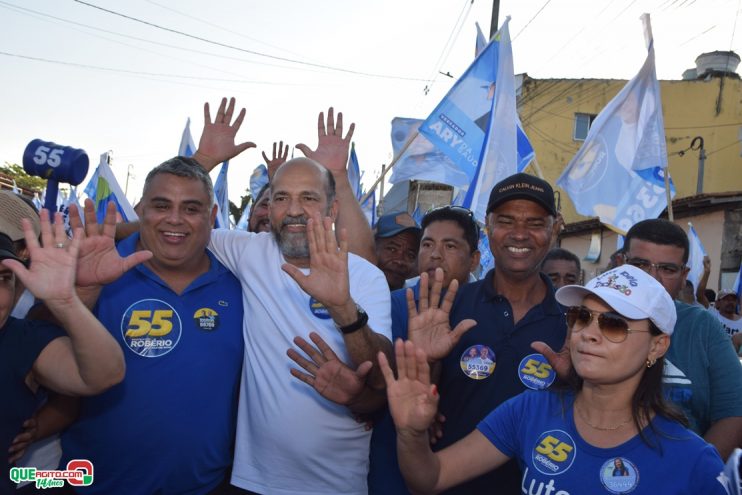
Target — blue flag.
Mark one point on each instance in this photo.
(486, 260)
(418, 215)
(421, 160)
(498, 155)
(258, 179)
(695, 258)
(618, 173)
(369, 208)
(354, 172)
(104, 188)
(737, 287)
(222, 198)
(187, 146)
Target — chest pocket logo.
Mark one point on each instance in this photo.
(151, 328)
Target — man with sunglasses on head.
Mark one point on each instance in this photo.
(449, 243)
(513, 306)
(702, 373)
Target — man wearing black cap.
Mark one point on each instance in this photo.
(397, 237)
(513, 305)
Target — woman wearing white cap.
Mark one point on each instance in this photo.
(610, 413)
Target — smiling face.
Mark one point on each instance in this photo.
(520, 234)
(176, 218)
(444, 246)
(299, 190)
(599, 361)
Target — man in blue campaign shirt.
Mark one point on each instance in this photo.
(449, 242)
(169, 426)
(514, 305)
(702, 373)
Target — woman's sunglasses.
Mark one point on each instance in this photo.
(612, 325)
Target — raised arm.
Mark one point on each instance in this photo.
(88, 360)
(413, 402)
(328, 282)
(280, 154)
(217, 142)
(332, 152)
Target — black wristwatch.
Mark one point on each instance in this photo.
(356, 325)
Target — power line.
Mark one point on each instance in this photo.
(245, 50)
(532, 18)
(142, 73)
(30, 12)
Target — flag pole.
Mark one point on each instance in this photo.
(387, 169)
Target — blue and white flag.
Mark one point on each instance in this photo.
(242, 223)
(103, 188)
(354, 172)
(258, 179)
(618, 173)
(222, 199)
(498, 158)
(369, 208)
(187, 146)
(695, 258)
(418, 215)
(486, 260)
(481, 42)
(737, 286)
(421, 160)
(65, 210)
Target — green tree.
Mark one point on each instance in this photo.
(22, 179)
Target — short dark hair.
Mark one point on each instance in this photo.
(710, 295)
(558, 253)
(182, 166)
(658, 231)
(461, 216)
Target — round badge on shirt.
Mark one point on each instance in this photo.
(535, 372)
(206, 319)
(318, 309)
(619, 475)
(478, 362)
(554, 452)
(151, 328)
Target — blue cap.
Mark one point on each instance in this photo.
(394, 223)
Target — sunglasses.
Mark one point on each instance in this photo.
(459, 210)
(612, 325)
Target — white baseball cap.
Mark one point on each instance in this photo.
(631, 292)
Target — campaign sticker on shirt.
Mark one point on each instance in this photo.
(535, 372)
(151, 328)
(206, 319)
(318, 309)
(554, 452)
(619, 475)
(478, 362)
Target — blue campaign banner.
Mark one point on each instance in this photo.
(459, 123)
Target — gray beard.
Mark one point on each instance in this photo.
(293, 244)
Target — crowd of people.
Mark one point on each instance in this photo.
(313, 354)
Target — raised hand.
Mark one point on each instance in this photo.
(332, 147)
(560, 361)
(279, 157)
(217, 142)
(326, 373)
(428, 326)
(99, 262)
(328, 265)
(413, 401)
(51, 275)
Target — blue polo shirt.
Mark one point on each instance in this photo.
(482, 371)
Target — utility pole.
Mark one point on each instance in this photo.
(701, 161)
(495, 17)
